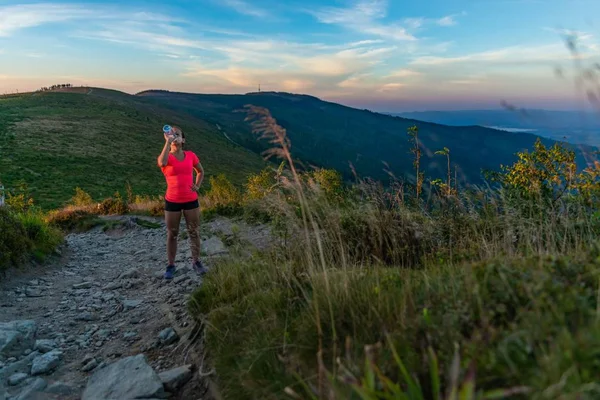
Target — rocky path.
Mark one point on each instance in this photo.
(103, 324)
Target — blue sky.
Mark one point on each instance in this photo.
(383, 55)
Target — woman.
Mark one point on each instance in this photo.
(182, 196)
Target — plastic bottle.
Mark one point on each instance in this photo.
(167, 130)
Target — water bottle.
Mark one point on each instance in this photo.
(167, 130)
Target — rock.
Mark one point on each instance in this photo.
(23, 365)
(87, 359)
(102, 334)
(30, 292)
(168, 336)
(60, 388)
(45, 345)
(46, 363)
(213, 246)
(90, 366)
(86, 316)
(128, 378)
(108, 297)
(130, 335)
(17, 336)
(174, 379)
(35, 386)
(181, 278)
(11, 359)
(99, 343)
(17, 378)
(83, 285)
(27, 352)
(129, 304)
(131, 273)
(113, 286)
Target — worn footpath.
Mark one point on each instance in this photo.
(101, 323)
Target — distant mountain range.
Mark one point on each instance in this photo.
(570, 126)
(101, 140)
(331, 135)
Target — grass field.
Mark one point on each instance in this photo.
(101, 141)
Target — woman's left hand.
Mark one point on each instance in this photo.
(195, 188)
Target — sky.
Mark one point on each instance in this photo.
(383, 55)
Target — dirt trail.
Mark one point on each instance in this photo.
(105, 301)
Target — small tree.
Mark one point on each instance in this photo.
(261, 184)
(446, 187)
(19, 199)
(546, 173)
(328, 180)
(222, 192)
(413, 132)
(81, 198)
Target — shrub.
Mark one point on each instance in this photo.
(43, 237)
(81, 198)
(222, 192)
(19, 199)
(71, 219)
(14, 242)
(23, 235)
(261, 184)
(329, 181)
(113, 205)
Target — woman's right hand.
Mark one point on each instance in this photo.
(169, 138)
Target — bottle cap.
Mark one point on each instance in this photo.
(167, 129)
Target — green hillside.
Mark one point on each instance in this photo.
(100, 140)
(332, 135)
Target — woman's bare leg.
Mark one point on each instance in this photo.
(192, 220)
(172, 220)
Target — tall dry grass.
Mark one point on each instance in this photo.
(375, 295)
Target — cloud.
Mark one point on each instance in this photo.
(464, 81)
(449, 20)
(391, 87)
(414, 23)
(245, 8)
(365, 17)
(404, 73)
(145, 36)
(510, 55)
(13, 18)
(446, 21)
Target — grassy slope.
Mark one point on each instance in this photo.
(331, 135)
(99, 142)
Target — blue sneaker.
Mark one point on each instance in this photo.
(199, 268)
(170, 272)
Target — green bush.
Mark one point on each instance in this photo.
(73, 219)
(23, 235)
(14, 242)
(115, 205)
(19, 199)
(81, 198)
(222, 192)
(43, 237)
(523, 322)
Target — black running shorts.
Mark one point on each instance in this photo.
(176, 207)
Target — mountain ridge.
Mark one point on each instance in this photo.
(349, 131)
(80, 126)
